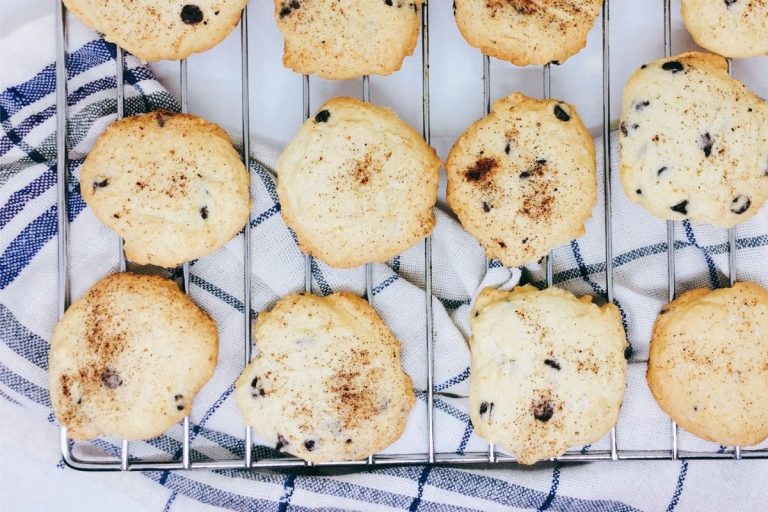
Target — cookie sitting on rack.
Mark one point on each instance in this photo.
(522, 180)
(357, 184)
(548, 370)
(343, 40)
(731, 28)
(170, 184)
(708, 363)
(327, 384)
(151, 30)
(128, 357)
(694, 141)
(525, 32)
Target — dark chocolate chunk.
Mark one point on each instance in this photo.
(644, 66)
(204, 212)
(740, 204)
(681, 207)
(705, 143)
(507, 148)
(628, 351)
(180, 407)
(640, 105)
(322, 116)
(486, 207)
(501, 244)
(623, 128)
(729, 3)
(639, 192)
(486, 407)
(543, 411)
(552, 363)
(309, 445)
(100, 184)
(673, 66)
(541, 161)
(111, 379)
(348, 441)
(178, 397)
(525, 175)
(561, 114)
(191, 14)
(281, 442)
(388, 2)
(661, 171)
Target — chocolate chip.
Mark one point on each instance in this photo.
(486, 207)
(255, 382)
(388, 2)
(543, 411)
(729, 3)
(486, 407)
(644, 66)
(628, 351)
(281, 442)
(661, 171)
(525, 240)
(525, 175)
(623, 128)
(640, 105)
(561, 114)
(552, 364)
(180, 407)
(673, 66)
(501, 244)
(288, 7)
(111, 379)
(100, 184)
(705, 143)
(322, 116)
(639, 192)
(541, 161)
(681, 207)
(204, 212)
(309, 445)
(507, 148)
(178, 397)
(191, 14)
(740, 204)
(348, 441)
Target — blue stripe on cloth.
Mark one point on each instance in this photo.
(384, 284)
(9, 398)
(15, 98)
(266, 214)
(465, 438)
(678, 487)
(420, 489)
(452, 381)
(714, 280)
(267, 179)
(169, 503)
(552, 490)
(23, 248)
(217, 292)
(19, 199)
(325, 288)
(453, 303)
(14, 139)
(24, 387)
(285, 499)
(21, 340)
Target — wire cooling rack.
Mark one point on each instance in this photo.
(489, 458)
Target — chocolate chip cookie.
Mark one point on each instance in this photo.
(548, 370)
(128, 358)
(731, 28)
(327, 384)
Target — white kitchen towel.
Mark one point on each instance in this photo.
(28, 312)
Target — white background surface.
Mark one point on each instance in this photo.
(276, 114)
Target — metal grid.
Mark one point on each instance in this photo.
(489, 458)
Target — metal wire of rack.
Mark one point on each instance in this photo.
(491, 457)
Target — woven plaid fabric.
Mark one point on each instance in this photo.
(28, 313)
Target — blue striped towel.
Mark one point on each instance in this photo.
(28, 313)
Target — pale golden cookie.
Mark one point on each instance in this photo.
(708, 363)
(522, 180)
(128, 358)
(327, 384)
(170, 29)
(731, 28)
(548, 370)
(170, 184)
(357, 184)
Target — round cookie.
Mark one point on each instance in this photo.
(731, 28)
(151, 30)
(527, 32)
(128, 357)
(522, 180)
(343, 40)
(170, 184)
(694, 141)
(357, 184)
(327, 384)
(548, 370)
(708, 363)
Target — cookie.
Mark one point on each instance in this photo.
(527, 32)
(694, 141)
(357, 184)
(522, 180)
(151, 30)
(548, 370)
(128, 357)
(708, 363)
(731, 28)
(327, 384)
(343, 40)
(170, 184)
